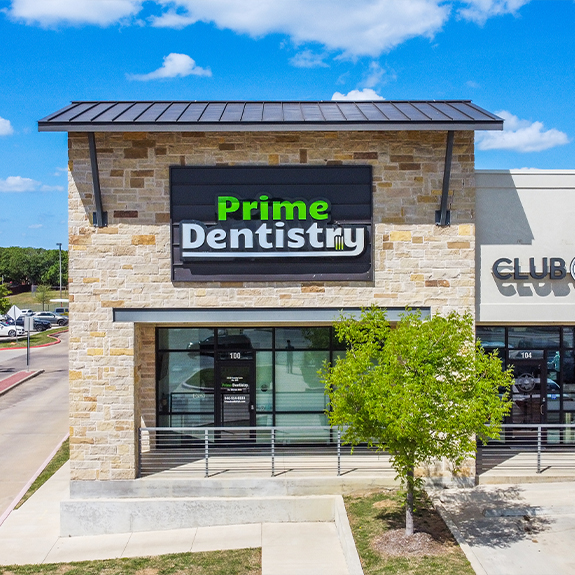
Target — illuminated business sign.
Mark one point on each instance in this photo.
(545, 268)
(271, 223)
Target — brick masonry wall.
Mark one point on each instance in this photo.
(127, 264)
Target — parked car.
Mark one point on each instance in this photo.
(61, 311)
(52, 317)
(27, 312)
(10, 330)
(39, 324)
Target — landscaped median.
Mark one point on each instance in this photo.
(377, 521)
(40, 339)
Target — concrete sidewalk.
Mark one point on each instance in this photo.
(31, 534)
(522, 529)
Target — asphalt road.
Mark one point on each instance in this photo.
(33, 416)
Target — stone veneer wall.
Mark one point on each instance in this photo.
(127, 264)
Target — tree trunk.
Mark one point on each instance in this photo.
(409, 505)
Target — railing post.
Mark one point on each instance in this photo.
(139, 452)
(538, 449)
(206, 452)
(273, 442)
(338, 452)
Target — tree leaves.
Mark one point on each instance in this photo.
(421, 390)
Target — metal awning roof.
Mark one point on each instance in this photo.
(154, 116)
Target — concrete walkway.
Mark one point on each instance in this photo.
(522, 529)
(33, 416)
(31, 534)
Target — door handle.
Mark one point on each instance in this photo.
(252, 407)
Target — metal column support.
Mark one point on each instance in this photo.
(100, 217)
(443, 216)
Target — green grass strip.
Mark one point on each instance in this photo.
(37, 339)
(62, 455)
(234, 562)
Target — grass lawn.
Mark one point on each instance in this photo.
(35, 339)
(27, 300)
(373, 515)
(236, 562)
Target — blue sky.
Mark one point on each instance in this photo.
(514, 57)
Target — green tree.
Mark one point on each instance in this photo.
(423, 390)
(43, 294)
(4, 301)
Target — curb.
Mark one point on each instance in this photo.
(346, 539)
(55, 336)
(471, 557)
(18, 497)
(31, 375)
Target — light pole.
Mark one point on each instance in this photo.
(60, 254)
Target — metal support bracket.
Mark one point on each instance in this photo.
(100, 217)
(443, 215)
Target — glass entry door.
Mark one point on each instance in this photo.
(529, 389)
(236, 394)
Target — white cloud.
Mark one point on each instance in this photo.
(354, 95)
(479, 11)
(174, 65)
(51, 12)
(521, 136)
(5, 127)
(308, 59)
(359, 28)
(35, 226)
(20, 184)
(472, 84)
(378, 75)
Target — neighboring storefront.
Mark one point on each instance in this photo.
(213, 245)
(526, 287)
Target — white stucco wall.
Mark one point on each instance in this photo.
(525, 214)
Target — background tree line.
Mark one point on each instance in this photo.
(33, 266)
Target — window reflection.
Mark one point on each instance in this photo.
(533, 337)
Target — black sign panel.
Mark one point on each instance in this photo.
(266, 223)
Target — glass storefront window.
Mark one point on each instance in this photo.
(264, 382)
(533, 337)
(302, 338)
(186, 382)
(298, 387)
(491, 336)
(244, 338)
(182, 338)
(567, 337)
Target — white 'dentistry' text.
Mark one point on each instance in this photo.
(271, 240)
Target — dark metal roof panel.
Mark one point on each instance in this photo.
(213, 112)
(253, 112)
(112, 113)
(153, 112)
(133, 112)
(172, 113)
(392, 112)
(270, 116)
(193, 113)
(432, 112)
(92, 113)
(273, 112)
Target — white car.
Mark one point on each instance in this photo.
(26, 312)
(10, 330)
